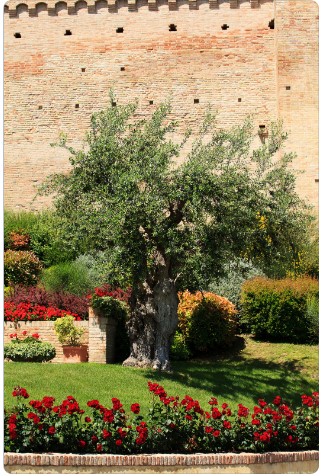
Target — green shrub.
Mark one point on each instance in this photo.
(276, 310)
(179, 348)
(29, 351)
(206, 321)
(68, 277)
(46, 233)
(21, 267)
(17, 221)
(312, 317)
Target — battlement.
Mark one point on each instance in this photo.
(16, 8)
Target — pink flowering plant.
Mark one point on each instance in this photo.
(172, 425)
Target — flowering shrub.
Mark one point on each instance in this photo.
(60, 300)
(277, 309)
(28, 348)
(25, 311)
(21, 267)
(206, 321)
(173, 425)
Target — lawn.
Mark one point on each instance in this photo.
(253, 370)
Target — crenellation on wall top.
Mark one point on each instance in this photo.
(14, 8)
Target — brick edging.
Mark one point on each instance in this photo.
(58, 459)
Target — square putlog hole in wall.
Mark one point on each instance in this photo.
(39, 107)
(172, 27)
(225, 26)
(83, 70)
(196, 101)
(114, 104)
(239, 100)
(17, 35)
(271, 24)
(122, 68)
(151, 103)
(76, 106)
(67, 33)
(120, 29)
(288, 88)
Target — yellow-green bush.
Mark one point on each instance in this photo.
(206, 321)
(21, 267)
(277, 310)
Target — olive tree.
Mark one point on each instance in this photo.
(170, 222)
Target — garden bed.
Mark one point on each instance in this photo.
(277, 463)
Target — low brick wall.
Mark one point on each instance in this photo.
(99, 335)
(243, 463)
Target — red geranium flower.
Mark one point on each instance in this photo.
(135, 408)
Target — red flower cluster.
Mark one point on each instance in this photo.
(242, 411)
(12, 426)
(25, 311)
(312, 401)
(68, 406)
(143, 433)
(135, 408)
(20, 392)
(107, 290)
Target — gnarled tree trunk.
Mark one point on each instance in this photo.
(153, 321)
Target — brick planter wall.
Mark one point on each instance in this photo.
(46, 331)
(283, 462)
(99, 335)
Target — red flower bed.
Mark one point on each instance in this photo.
(25, 311)
(172, 425)
(75, 305)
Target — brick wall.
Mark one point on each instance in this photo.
(46, 331)
(53, 81)
(300, 462)
(99, 335)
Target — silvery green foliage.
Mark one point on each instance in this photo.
(229, 285)
(101, 267)
(127, 194)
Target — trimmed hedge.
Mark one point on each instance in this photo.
(206, 321)
(277, 310)
(29, 351)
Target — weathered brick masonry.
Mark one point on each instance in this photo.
(99, 335)
(241, 56)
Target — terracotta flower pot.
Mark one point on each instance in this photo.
(74, 354)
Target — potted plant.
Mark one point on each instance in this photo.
(70, 336)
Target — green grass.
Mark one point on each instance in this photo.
(253, 370)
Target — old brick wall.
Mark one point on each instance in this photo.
(53, 81)
(46, 331)
(297, 69)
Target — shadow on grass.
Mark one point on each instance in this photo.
(234, 376)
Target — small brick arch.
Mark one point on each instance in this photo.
(41, 8)
(5, 9)
(61, 7)
(22, 9)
